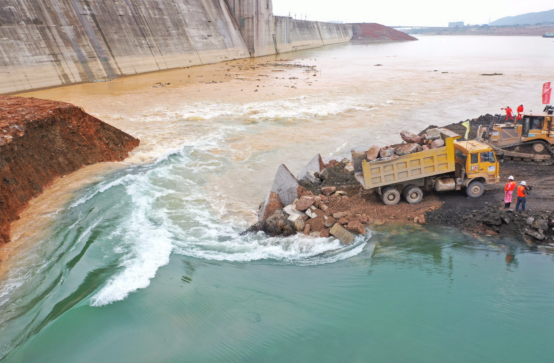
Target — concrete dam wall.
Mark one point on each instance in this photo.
(59, 42)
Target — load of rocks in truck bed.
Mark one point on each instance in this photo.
(412, 144)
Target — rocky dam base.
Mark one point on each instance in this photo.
(42, 140)
(325, 199)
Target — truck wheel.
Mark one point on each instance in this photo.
(475, 189)
(413, 194)
(390, 196)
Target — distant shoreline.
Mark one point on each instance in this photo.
(484, 30)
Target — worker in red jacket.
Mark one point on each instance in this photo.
(509, 113)
(520, 112)
(522, 192)
(509, 191)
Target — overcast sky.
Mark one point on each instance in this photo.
(409, 12)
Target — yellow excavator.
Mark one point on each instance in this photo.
(531, 138)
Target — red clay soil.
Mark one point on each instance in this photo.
(41, 140)
(378, 32)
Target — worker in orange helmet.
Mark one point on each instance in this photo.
(509, 113)
(519, 112)
(508, 191)
(522, 191)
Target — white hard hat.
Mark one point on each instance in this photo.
(523, 183)
(510, 178)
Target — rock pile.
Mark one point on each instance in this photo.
(412, 144)
(534, 228)
(310, 214)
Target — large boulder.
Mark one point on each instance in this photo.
(408, 149)
(540, 223)
(305, 203)
(432, 134)
(373, 153)
(356, 227)
(386, 152)
(436, 144)
(410, 137)
(342, 234)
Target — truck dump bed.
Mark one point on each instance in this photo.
(409, 167)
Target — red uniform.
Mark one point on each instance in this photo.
(520, 112)
(509, 114)
(510, 186)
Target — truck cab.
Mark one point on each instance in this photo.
(475, 162)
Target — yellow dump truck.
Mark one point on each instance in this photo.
(456, 165)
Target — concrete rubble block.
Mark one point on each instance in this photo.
(285, 185)
(330, 222)
(410, 137)
(386, 152)
(310, 213)
(436, 144)
(433, 134)
(315, 165)
(271, 204)
(356, 227)
(373, 153)
(324, 174)
(328, 190)
(297, 222)
(357, 160)
(533, 233)
(529, 221)
(408, 149)
(342, 234)
(305, 203)
(540, 224)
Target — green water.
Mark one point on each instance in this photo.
(418, 296)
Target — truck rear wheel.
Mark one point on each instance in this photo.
(413, 194)
(390, 196)
(475, 189)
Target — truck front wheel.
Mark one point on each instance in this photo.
(390, 196)
(475, 189)
(413, 194)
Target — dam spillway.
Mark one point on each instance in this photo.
(60, 42)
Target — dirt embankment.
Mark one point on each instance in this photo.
(41, 140)
(378, 32)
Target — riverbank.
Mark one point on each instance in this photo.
(43, 140)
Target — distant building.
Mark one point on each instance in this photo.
(456, 24)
